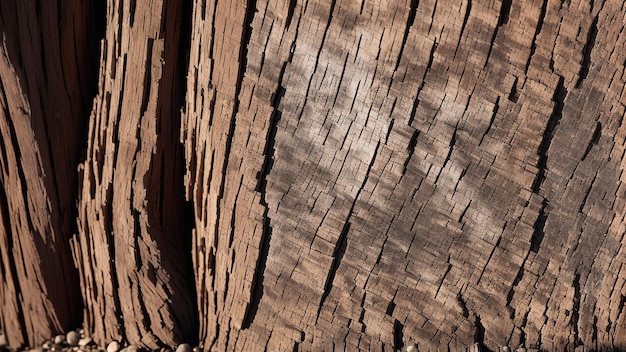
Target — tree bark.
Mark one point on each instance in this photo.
(46, 64)
(342, 175)
(132, 247)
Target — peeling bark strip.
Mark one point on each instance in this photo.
(46, 85)
(131, 246)
(370, 175)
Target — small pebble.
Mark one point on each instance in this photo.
(197, 349)
(505, 349)
(72, 338)
(520, 349)
(46, 345)
(183, 347)
(85, 341)
(114, 346)
(131, 348)
(59, 339)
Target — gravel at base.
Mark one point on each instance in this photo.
(78, 341)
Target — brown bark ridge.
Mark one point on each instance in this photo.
(132, 247)
(370, 175)
(45, 71)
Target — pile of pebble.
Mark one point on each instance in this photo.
(77, 341)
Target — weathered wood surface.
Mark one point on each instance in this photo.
(358, 175)
(45, 65)
(132, 247)
(371, 174)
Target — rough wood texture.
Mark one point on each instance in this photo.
(132, 246)
(46, 65)
(369, 175)
(358, 174)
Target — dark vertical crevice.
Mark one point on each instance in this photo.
(443, 277)
(290, 11)
(491, 45)
(261, 187)
(416, 101)
(132, 7)
(211, 48)
(258, 283)
(514, 94)
(432, 16)
(108, 208)
(410, 150)
(491, 120)
(96, 18)
(594, 332)
(516, 281)
(479, 335)
(174, 214)
(338, 252)
(557, 113)
(505, 11)
(503, 18)
(409, 23)
(620, 310)
(462, 216)
(3, 152)
(147, 78)
(342, 242)
(576, 309)
(595, 138)
(586, 197)
(586, 59)
(539, 228)
(243, 49)
(120, 27)
(390, 308)
(533, 46)
(339, 90)
(184, 49)
(463, 305)
(449, 155)
(468, 9)
(398, 335)
(389, 129)
(362, 314)
(108, 228)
